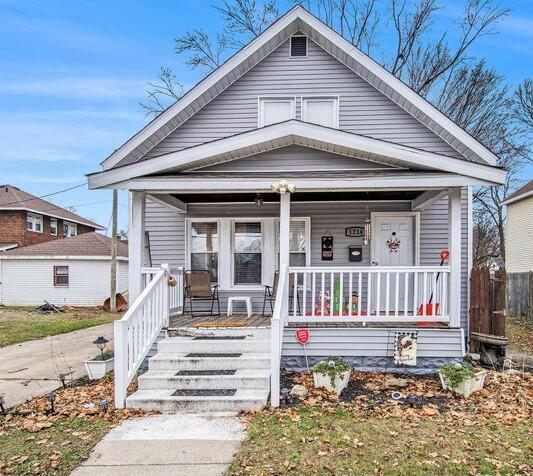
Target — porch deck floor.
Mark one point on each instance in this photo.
(257, 320)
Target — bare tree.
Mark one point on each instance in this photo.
(524, 102)
(162, 94)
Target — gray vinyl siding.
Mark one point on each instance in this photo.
(294, 159)
(167, 233)
(362, 109)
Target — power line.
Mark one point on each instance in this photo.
(47, 195)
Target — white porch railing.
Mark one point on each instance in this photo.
(175, 293)
(138, 329)
(370, 294)
(277, 325)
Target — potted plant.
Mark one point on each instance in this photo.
(462, 378)
(98, 366)
(332, 373)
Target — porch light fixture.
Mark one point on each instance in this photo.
(258, 200)
(283, 187)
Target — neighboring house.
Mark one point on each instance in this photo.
(519, 251)
(518, 242)
(28, 220)
(73, 271)
(359, 150)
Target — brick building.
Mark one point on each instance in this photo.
(28, 220)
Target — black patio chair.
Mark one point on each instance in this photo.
(270, 294)
(198, 287)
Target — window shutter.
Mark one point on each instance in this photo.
(298, 46)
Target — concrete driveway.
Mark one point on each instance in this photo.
(31, 368)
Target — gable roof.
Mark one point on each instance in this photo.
(520, 194)
(86, 244)
(302, 133)
(13, 198)
(300, 20)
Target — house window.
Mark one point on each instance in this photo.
(53, 226)
(69, 229)
(247, 253)
(298, 46)
(61, 276)
(321, 110)
(204, 248)
(34, 222)
(298, 242)
(274, 110)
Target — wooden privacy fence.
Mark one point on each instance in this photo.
(487, 306)
(520, 295)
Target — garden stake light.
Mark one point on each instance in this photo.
(52, 399)
(104, 406)
(285, 394)
(101, 342)
(2, 407)
(62, 380)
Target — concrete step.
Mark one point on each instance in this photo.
(242, 379)
(164, 401)
(188, 344)
(180, 361)
(259, 332)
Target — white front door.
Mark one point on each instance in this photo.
(393, 244)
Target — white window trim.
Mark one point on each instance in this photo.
(335, 99)
(67, 275)
(31, 218)
(69, 224)
(260, 107)
(307, 221)
(232, 253)
(53, 220)
(306, 47)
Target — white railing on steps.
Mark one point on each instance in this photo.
(277, 325)
(138, 329)
(176, 292)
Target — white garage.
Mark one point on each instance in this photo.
(73, 271)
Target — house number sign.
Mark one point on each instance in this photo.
(355, 231)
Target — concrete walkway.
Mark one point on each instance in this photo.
(31, 368)
(179, 444)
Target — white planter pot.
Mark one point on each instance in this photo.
(324, 381)
(98, 368)
(468, 386)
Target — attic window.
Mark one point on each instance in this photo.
(298, 46)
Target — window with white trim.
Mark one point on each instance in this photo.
(247, 253)
(69, 229)
(204, 247)
(299, 246)
(53, 226)
(61, 276)
(34, 222)
(274, 110)
(323, 111)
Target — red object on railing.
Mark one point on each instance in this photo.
(444, 255)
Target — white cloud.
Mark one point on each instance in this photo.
(86, 88)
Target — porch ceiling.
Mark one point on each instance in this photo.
(405, 195)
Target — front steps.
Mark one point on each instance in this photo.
(207, 370)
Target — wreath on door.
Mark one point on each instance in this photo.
(393, 243)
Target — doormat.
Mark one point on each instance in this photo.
(200, 354)
(219, 338)
(199, 373)
(204, 392)
(220, 324)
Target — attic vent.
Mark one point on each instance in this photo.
(298, 46)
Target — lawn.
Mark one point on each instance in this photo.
(520, 334)
(20, 324)
(366, 432)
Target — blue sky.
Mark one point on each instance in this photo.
(72, 74)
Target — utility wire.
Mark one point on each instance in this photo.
(47, 195)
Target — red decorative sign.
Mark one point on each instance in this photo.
(303, 336)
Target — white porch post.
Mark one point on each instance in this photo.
(454, 245)
(284, 252)
(136, 244)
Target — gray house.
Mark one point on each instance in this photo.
(302, 165)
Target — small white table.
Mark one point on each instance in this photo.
(246, 299)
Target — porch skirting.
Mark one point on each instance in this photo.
(372, 349)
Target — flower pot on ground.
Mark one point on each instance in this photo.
(462, 378)
(98, 366)
(332, 374)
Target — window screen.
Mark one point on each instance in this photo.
(204, 248)
(276, 110)
(247, 255)
(298, 46)
(60, 275)
(320, 111)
